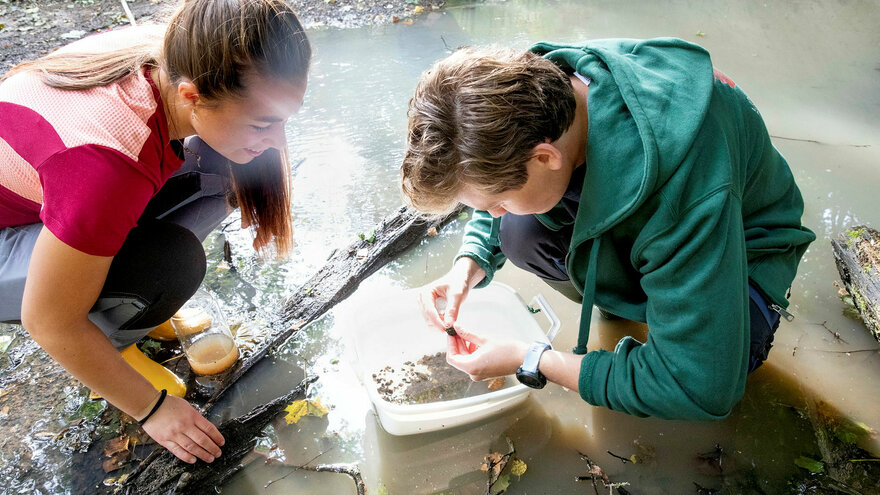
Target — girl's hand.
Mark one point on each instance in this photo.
(484, 357)
(178, 427)
(453, 288)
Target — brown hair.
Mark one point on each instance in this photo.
(215, 44)
(475, 118)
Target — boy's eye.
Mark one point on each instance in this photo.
(260, 129)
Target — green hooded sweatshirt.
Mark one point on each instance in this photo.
(685, 200)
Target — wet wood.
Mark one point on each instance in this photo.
(162, 472)
(857, 254)
(345, 269)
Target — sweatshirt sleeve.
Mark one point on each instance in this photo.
(481, 243)
(693, 364)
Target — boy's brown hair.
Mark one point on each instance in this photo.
(475, 118)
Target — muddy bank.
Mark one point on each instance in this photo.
(32, 28)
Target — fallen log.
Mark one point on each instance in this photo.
(342, 274)
(162, 472)
(344, 271)
(857, 254)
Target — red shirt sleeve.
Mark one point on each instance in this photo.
(93, 196)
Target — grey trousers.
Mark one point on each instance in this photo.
(161, 263)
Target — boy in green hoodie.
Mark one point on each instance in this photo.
(627, 174)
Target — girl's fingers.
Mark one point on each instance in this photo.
(178, 451)
(205, 442)
(210, 430)
(190, 445)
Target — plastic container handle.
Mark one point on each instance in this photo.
(545, 308)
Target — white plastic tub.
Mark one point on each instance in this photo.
(390, 331)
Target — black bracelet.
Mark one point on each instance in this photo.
(159, 402)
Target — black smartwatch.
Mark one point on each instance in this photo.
(528, 373)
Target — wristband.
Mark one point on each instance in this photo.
(155, 408)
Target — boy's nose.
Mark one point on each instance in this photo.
(497, 211)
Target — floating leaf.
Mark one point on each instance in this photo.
(463, 215)
(382, 490)
(811, 465)
(432, 231)
(501, 485)
(701, 34)
(518, 467)
(299, 408)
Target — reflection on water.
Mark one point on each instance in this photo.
(817, 89)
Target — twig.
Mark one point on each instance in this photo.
(622, 459)
(503, 462)
(296, 468)
(592, 476)
(834, 334)
(128, 12)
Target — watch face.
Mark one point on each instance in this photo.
(530, 379)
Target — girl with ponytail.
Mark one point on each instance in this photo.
(119, 153)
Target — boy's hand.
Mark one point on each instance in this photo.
(484, 357)
(452, 289)
(178, 427)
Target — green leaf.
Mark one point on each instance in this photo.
(89, 409)
(463, 215)
(501, 485)
(810, 464)
(5, 340)
(382, 490)
(150, 348)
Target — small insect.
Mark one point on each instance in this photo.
(451, 331)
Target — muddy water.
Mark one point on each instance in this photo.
(812, 69)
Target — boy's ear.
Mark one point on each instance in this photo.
(548, 155)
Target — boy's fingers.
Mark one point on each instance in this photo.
(469, 337)
(429, 310)
(453, 304)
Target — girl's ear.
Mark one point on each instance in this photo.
(548, 155)
(187, 92)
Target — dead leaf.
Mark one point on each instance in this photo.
(597, 472)
(432, 231)
(418, 9)
(495, 462)
(395, 19)
(407, 22)
(496, 383)
(116, 461)
(116, 445)
(300, 408)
